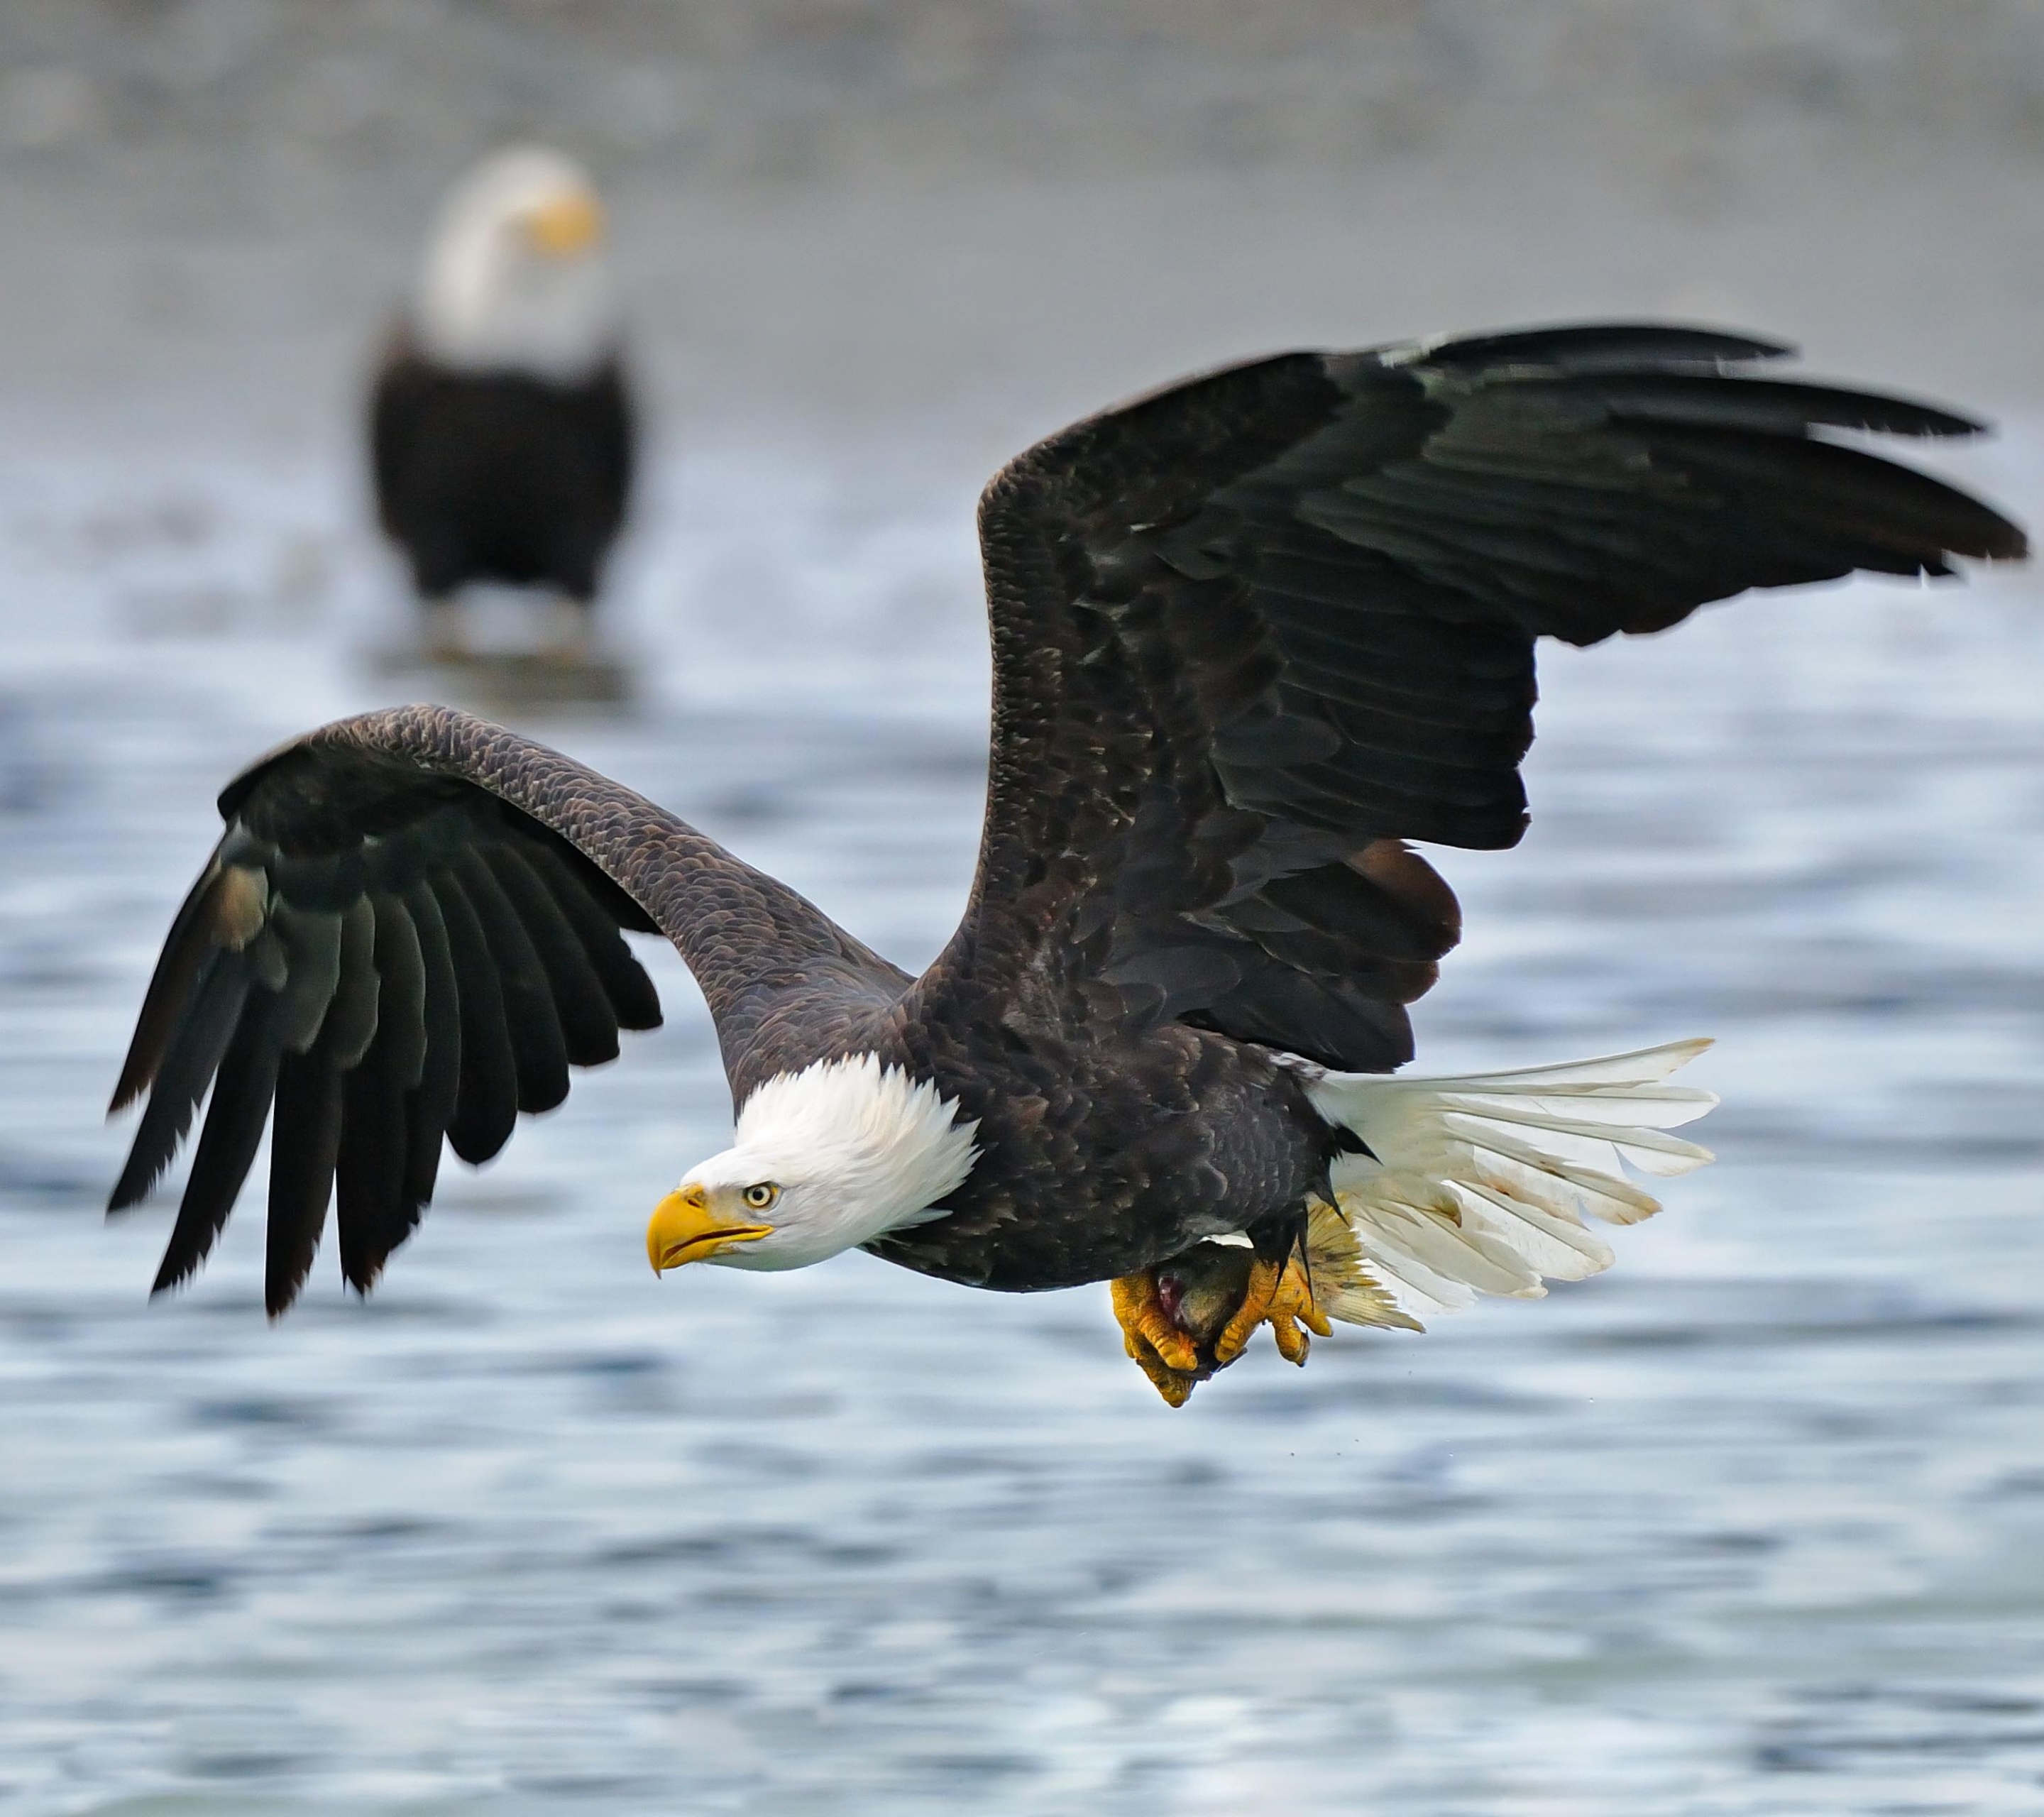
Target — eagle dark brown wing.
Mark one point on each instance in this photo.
(410, 932)
(1252, 633)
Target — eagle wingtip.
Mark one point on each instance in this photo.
(169, 1278)
(2012, 544)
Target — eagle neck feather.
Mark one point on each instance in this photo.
(890, 1145)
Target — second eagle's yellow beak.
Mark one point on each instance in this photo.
(685, 1228)
(567, 224)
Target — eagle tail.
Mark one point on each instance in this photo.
(1479, 1184)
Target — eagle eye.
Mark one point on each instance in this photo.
(761, 1197)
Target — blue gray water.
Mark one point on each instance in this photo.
(1750, 1526)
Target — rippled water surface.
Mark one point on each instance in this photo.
(1751, 1525)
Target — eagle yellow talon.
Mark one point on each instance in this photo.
(1148, 1330)
(1281, 1296)
(1176, 1385)
(1195, 1314)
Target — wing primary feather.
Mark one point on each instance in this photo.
(1884, 509)
(537, 1047)
(352, 1021)
(432, 1101)
(311, 939)
(304, 1144)
(369, 1177)
(224, 909)
(1602, 347)
(632, 997)
(373, 1210)
(587, 1025)
(189, 1063)
(1781, 405)
(242, 1092)
(386, 1086)
(486, 1103)
(400, 969)
(171, 986)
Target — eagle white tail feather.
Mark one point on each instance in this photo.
(1478, 1184)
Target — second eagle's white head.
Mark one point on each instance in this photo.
(515, 277)
(822, 1161)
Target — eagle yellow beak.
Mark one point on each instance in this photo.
(684, 1229)
(566, 224)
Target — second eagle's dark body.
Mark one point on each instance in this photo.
(498, 475)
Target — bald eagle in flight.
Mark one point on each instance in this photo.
(501, 429)
(1252, 635)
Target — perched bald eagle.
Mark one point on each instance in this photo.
(500, 423)
(1251, 635)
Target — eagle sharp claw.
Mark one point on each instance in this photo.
(1147, 1328)
(1281, 1296)
(1168, 1332)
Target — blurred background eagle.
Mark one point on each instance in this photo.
(501, 420)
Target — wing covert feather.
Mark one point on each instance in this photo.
(1255, 631)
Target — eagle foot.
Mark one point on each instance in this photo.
(1281, 1296)
(1166, 1353)
(1188, 1317)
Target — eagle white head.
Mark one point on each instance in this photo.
(515, 277)
(823, 1160)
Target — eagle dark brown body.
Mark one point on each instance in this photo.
(1251, 635)
(499, 476)
(1100, 1159)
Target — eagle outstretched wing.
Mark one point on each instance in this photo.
(411, 930)
(1252, 633)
